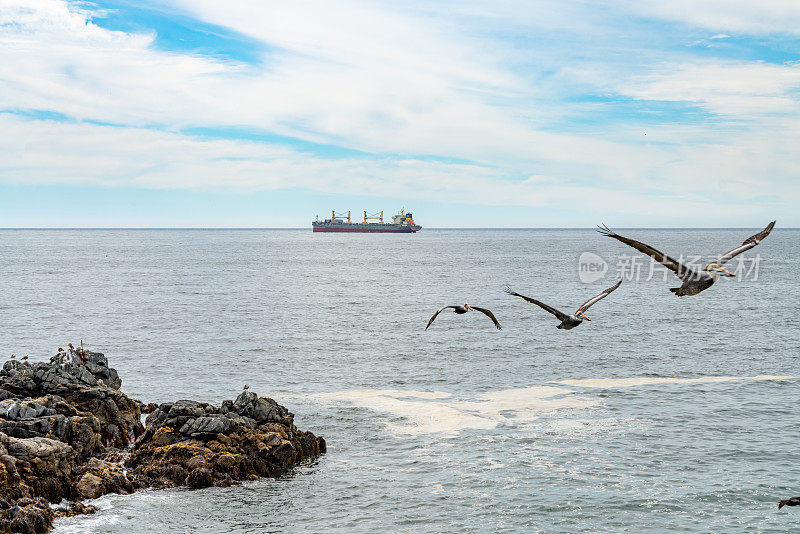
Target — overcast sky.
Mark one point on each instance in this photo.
(470, 113)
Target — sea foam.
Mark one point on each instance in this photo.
(426, 412)
(436, 412)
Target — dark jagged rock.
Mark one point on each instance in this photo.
(52, 417)
(66, 371)
(73, 387)
(33, 471)
(68, 432)
(101, 476)
(74, 508)
(42, 466)
(26, 516)
(195, 444)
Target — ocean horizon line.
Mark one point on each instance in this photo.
(434, 228)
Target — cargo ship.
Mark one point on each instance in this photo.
(402, 223)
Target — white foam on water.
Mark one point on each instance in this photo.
(85, 523)
(107, 514)
(422, 416)
(434, 412)
(428, 412)
(647, 381)
(523, 405)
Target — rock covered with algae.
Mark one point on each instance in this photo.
(67, 433)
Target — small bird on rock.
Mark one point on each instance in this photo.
(25, 357)
(13, 356)
(794, 501)
(246, 387)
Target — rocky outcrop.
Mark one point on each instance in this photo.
(25, 515)
(68, 432)
(195, 444)
(79, 386)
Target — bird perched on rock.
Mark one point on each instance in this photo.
(246, 387)
(60, 349)
(24, 357)
(13, 356)
(794, 501)
(568, 322)
(80, 352)
(464, 309)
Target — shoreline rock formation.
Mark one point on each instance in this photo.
(67, 433)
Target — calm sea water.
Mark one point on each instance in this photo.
(458, 428)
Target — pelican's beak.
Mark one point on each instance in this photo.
(724, 272)
(467, 306)
(584, 316)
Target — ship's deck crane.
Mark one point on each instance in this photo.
(342, 217)
(373, 218)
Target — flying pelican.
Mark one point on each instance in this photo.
(464, 309)
(693, 281)
(794, 501)
(568, 322)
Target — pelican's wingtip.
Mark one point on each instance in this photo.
(605, 230)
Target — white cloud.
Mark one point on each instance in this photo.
(739, 16)
(383, 80)
(112, 156)
(735, 88)
(351, 75)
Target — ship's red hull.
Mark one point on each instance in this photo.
(401, 230)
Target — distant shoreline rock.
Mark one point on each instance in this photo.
(67, 432)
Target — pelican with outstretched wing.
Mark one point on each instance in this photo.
(794, 501)
(568, 322)
(464, 309)
(694, 281)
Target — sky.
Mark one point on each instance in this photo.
(535, 113)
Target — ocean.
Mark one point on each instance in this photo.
(662, 414)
